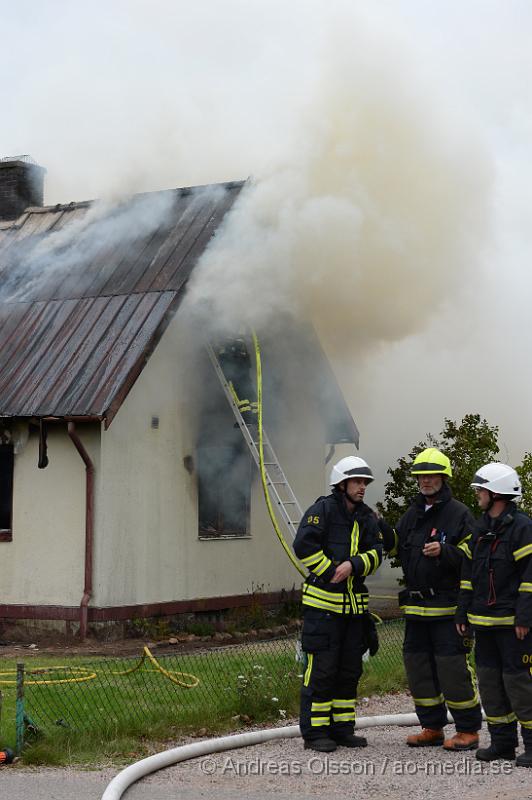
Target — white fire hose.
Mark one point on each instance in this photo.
(167, 758)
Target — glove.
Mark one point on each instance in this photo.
(370, 635)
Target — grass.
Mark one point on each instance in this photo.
(116, 717)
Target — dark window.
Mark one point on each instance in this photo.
(224, 488)
(6, 490)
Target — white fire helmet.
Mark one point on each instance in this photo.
(350, 467)
(499, 479)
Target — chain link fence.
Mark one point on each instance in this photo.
(181, 691)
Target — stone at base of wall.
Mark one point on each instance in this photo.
(201, 618)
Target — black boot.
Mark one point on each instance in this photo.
(493, 753)
(323, 745)
(524, 759)
(350, 740)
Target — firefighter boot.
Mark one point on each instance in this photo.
(323, 745)
(350, 740)
(524, 759)
(462, 741)
(428, 737)
(493, 753)
(7, 756)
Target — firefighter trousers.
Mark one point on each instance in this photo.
(504, 665)
(334, 645)
(439, 674)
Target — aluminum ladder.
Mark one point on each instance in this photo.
(279, 489)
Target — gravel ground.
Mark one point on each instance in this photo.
(387, 768)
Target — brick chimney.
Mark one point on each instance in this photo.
(21, 185)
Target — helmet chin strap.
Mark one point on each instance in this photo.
(493, 498)
(342, 488)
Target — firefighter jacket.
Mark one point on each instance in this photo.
(329, 535)
(496, 585)
(432, 583)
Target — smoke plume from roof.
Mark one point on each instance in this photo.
(367, 224)
(372, 205)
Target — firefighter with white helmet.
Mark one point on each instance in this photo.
(429, 541)
(338, 540)
(496, 600)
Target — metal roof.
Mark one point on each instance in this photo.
(86, 293)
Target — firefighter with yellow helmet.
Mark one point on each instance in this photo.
(338, 540)
(429, 541)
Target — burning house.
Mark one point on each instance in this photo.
(125, 489)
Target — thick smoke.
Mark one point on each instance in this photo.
(370, 209)
(39, 262)
(370, 221)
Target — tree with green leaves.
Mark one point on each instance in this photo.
(525, 473)
(468, 444)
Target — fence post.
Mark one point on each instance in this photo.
(20, 708)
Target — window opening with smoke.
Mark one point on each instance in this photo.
(224, 464)
(7, 462)
(224, 488)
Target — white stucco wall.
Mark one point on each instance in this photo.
(44, 563)
(147, 547)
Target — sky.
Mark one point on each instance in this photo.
(389, 145)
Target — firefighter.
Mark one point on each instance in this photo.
(338, 540)
(429, 542)
(496, 600)
(236, 365)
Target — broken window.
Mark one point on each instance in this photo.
(7, 461)
(224, 465)
(224, 488)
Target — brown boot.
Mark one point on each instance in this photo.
(462, 741)
(427, 738)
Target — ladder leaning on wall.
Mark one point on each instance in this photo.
(279, 489)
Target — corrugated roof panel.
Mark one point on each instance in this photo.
(60, 366)
(18, 340)
(130, 319)
(131, 270)
(81, 349)
(182, 258)
(25, 372)
(12, 235)
(114, 317)
(133, 343)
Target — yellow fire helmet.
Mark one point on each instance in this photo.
(431, 462)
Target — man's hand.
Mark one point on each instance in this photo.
(461, 628)
(343, 571)
(432, 549)
(521, 632)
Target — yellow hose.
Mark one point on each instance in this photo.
(89, 675)
(170, 674)
(264, 479)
